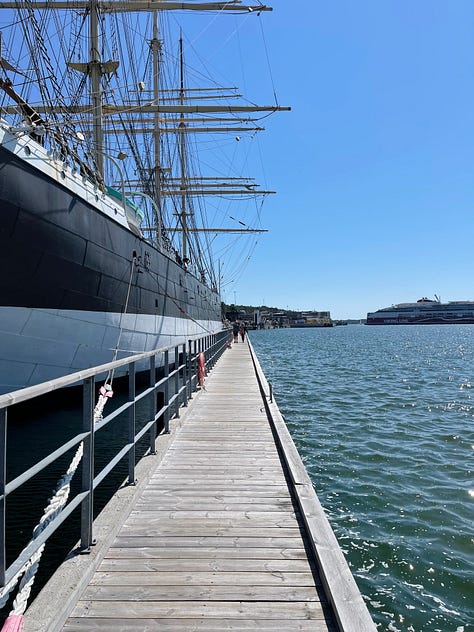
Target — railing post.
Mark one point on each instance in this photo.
(197, 347)
(190, 370)
(209, 352)
(176, 380)
(131, 423)
(153, 404)
(194, 364)
(87, 506)
(185, 376)
(222, 336)
(166, 391)
(3, 482)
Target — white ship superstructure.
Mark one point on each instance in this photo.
(424, 312)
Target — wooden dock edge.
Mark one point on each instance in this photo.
(341, 589)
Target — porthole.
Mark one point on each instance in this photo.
(63, 175)
(27, 150)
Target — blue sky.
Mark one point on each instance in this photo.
(374, 164)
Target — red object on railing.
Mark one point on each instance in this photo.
(201, 369)
(13, 623)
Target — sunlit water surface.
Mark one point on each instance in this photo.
(383, 419)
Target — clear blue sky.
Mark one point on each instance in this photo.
(374, 165)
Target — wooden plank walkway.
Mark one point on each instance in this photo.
(214, 542)
(222, 531)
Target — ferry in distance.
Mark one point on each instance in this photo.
(424, 312)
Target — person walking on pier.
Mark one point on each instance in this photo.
(235, 331)
(242, 331)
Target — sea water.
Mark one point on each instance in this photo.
(383, 420)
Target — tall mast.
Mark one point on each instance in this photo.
(182, 143)
(156, 50)
(96, 92)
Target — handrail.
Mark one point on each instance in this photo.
(24, 394)
(176, 383)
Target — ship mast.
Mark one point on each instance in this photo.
(156, 51)
(182, 144)
(96, 90)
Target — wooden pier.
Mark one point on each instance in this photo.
(227, 534)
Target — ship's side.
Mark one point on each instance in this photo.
(424, 313)
(69, 260)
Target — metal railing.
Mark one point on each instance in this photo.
(172, 373)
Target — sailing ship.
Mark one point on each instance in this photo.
(102, 248)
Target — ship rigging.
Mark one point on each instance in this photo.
(114, 157)
(144, 120)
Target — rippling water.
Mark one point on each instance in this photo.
(383, 419)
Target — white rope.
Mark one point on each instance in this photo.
(21, 601)
(53, 509)
(105, 393)
(50, 512)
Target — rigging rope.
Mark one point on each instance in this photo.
(106, 392)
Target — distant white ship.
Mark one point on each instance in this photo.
(424, 312)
